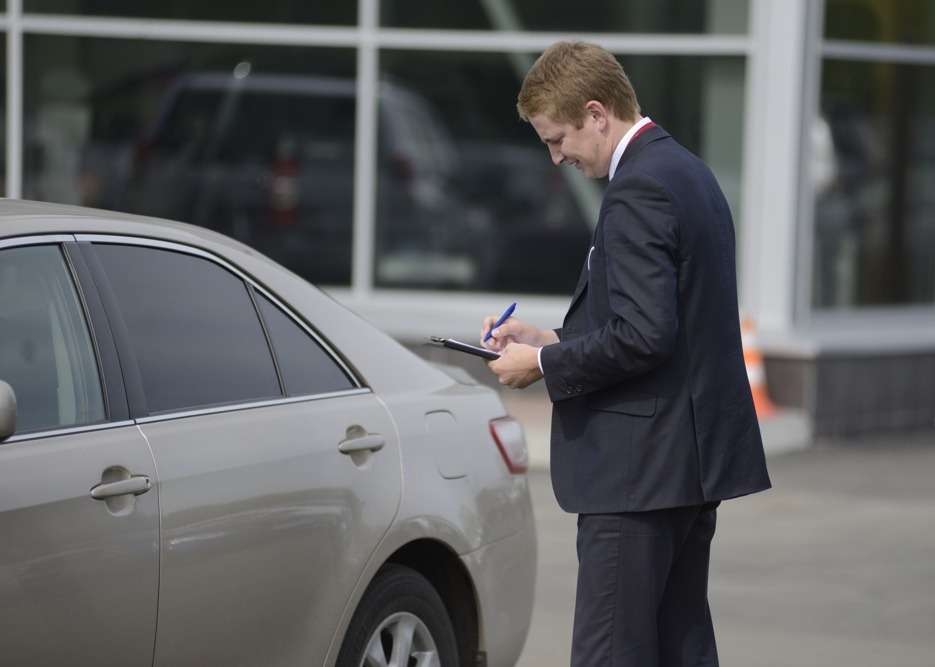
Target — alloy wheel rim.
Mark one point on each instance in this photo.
(401, 640)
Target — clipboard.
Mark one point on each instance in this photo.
(453, 344)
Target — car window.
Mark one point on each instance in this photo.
(305, 366)
(192, 326)
(46, 353)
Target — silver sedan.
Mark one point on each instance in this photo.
(206, 461)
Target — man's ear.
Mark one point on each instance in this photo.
(598, 112)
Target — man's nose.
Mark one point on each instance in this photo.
(556, 155)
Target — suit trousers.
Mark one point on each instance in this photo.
(642, 598)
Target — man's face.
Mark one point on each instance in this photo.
(583, 148)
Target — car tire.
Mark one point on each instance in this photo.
(399, 602)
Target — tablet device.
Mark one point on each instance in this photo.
(453, 344)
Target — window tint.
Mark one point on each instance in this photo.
(192, 326)
(45, 347)
(306, 368)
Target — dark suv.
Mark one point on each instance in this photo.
(269, 159)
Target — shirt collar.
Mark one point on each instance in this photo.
(622, 146)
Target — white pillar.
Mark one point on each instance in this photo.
(365, 151)
(14, 100)
(779, 72)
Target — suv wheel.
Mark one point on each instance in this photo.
(400, 622)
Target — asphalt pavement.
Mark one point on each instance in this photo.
(833, 567)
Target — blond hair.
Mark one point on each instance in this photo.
(569, 74)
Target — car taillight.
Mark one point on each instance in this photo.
(508, 434)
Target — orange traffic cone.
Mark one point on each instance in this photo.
(755, 371)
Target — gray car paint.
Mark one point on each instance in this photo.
(78, 579)
(269, 523)
(483, 515)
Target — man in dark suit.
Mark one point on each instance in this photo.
(653, 421)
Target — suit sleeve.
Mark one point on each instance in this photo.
(640, 245)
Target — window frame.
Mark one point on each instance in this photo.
(139, 412)
(109, 378)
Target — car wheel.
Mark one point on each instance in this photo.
(400, 622)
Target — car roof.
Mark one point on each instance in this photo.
(19, 217)
(383, 362)
(13, 209)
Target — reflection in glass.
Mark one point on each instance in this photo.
(254, 142)
(653, 16)
(874, 164)
(902, 22)
(467, 196)
(274, 11)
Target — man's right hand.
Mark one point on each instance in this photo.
(515, 331)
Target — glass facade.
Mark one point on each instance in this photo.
(263, 141)
(874, 227)
(895, 22)
(256, 142)
(873, 163)
(625, 16)
(467, 196)
(272, 11)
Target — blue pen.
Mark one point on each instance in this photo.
(500, 320)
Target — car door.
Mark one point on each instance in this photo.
(279, 473)
(78, 513)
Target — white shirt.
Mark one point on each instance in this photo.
(614, 161)
(622, 146)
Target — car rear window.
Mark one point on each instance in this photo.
(305, 366)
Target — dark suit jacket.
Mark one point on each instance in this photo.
(651, 403)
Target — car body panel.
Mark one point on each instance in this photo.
(78, 576)
(504, 575)
(269, 523)
(226, 501)
(486, 506)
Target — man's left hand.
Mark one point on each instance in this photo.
(518, 365)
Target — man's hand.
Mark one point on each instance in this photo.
(518, 365)
(515, 331)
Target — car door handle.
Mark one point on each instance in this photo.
(136, 485)
(372, 442)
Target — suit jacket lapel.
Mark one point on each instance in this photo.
(582, 283)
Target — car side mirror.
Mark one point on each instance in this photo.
(7, 411)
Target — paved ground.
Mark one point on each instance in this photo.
(834, 567)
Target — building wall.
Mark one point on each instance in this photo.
(374, 148)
